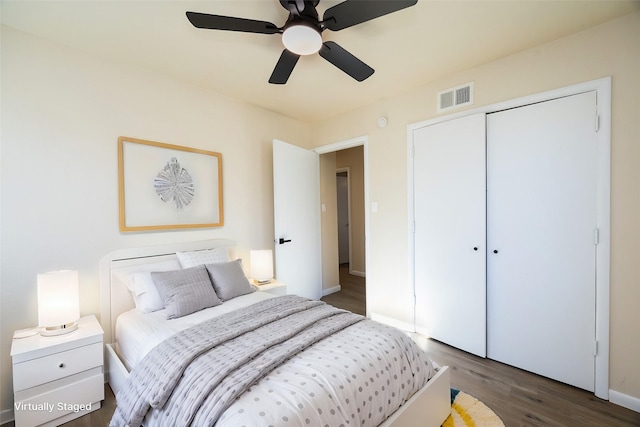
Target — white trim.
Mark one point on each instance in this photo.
(331, 290)
(603, 249)
(411, 222)
(343, 145)
(600, 84)
(602, 87)
(6, 416)
(358, 273)
(624, 400)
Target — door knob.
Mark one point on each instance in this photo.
(282, 241)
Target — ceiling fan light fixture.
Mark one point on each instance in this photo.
(302, 32)
(302, 39)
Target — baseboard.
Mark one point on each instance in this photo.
(624, 400)
(6, 416)
(358, 273)
(399, 324)
(331, 290)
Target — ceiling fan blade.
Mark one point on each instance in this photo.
(284, 67)
(353, 12)
(229, 23)
(348, 63)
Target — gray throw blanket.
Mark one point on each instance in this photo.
(193, 376)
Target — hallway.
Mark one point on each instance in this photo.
(352, 295)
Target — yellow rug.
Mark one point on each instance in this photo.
(467, 411)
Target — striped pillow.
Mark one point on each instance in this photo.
(185, 291)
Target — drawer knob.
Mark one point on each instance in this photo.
(61, 365)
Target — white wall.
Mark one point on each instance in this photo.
(62, 113)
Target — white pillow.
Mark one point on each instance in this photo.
(207, 256)
(145, 294)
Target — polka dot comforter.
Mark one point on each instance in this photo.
(286, 361)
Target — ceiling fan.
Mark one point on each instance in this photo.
(301, 34)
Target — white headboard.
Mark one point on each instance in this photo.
(115, 298)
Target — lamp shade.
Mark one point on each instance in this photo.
(58, 301)
(262, 265)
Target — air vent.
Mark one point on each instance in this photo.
(455, 97)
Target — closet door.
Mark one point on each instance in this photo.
(541, 219)
(449, 212)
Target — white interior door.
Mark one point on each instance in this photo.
(450, 260)
(541, 219)
(296, 193)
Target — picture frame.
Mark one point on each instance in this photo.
(165, 186)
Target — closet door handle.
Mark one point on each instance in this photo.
(495, 251)
(283, 241)
(475, 248)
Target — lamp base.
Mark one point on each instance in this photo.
(52, 331)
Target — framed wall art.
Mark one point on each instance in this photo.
(164, 186)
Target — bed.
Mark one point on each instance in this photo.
(329, 379)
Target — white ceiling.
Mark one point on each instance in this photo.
(407, 49)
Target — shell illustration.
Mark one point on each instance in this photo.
(173, 182)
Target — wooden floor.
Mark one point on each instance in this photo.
(520, 398)
(352, 292)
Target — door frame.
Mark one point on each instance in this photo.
(602, 87)
(343, 145)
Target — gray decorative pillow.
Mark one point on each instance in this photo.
(185, 291)
(229, 279)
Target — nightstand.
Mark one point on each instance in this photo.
(57, 379)
(274, 287)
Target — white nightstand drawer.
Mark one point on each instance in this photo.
(73, 395)
(50, 368)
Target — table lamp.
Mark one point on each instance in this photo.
(58, 302)
(261, 266)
